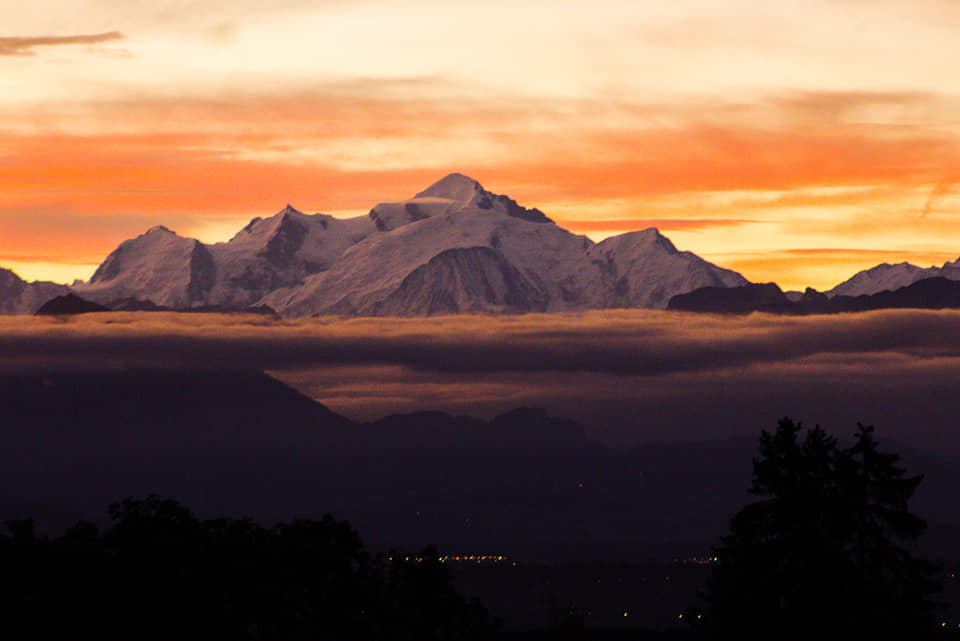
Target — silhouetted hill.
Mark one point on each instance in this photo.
(519, 428)
(524, 483)
(69, 304)
(765, 297)
(929, 293)
(234, 442)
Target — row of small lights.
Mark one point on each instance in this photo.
(697, 560)
(474, 558)
(468, 558)
(496, 558)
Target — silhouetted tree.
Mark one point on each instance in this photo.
(158, 572)
(893, 585)
(825, 548)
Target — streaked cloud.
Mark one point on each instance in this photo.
(663, 224)
(20, 46)
(543, 151)
(939, 193)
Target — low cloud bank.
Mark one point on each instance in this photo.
(632, 376)
(618, 343)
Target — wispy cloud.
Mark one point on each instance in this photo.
(938, 193)
(18, 46)
(775, 145)
(663, 224)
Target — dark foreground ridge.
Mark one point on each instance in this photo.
(827, 545)
(526, 486)
(524, 483)
(929, 293)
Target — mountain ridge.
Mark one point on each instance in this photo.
(936, 292)
(454, 247)
(19, 297)
(890, 277)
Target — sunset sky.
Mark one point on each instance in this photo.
(791, 141)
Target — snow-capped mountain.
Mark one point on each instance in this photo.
(644, 269)
(158, 266)
(454, 247)
(172, 271)
(17, 296)
(280, 251)
(887, 277)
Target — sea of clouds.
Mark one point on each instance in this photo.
(632, 376)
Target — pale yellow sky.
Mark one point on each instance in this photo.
(750, 132)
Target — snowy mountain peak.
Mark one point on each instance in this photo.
(149, 248)
(653, 238)
(644, 240)
(450, 195)
(647, 270)
(454, 187)
(290, 211)
(288, 218)
(161, 266)
(271, 225)
(887, 277)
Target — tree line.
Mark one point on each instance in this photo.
(827, 547)
(159, 572)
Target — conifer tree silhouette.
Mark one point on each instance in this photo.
(825, 548)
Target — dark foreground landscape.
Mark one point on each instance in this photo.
(547, 529)
(158, 570)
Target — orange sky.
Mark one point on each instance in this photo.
(792, 144)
